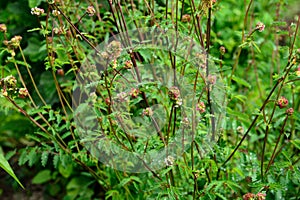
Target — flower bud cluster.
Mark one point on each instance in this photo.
(174, 94)
(9, 87)
(201, 107)
(37, 11)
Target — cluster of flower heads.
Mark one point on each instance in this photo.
(37, 11)
(13, 43)
(282, 102)
(9, 87)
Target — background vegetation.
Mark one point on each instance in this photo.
(255, 45)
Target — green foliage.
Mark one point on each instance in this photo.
(254, 46)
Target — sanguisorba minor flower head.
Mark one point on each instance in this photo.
(55, 13)
(10, 82)
(200, 107)
(3, 28)
(134, 92)
(282, 102)
(222, 50)
(174, 93)
(23, 92)
(186, 18)
(90, 11)
(298, 71)
(260, 196)
(15, 41)
(289, 111)
(128, 64)
(260, 26)
(249, 196)
(37, 11)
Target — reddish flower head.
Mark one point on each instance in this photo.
(289, 111)
(248, 196)
(200, 107)
(174, 93)
(282, 102)
(298, 71)
(134, 92)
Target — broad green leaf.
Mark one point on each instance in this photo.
(5, 165)
(34, 3)
(66, 171)
(42, 177)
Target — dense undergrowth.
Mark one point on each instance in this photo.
(223, 75)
